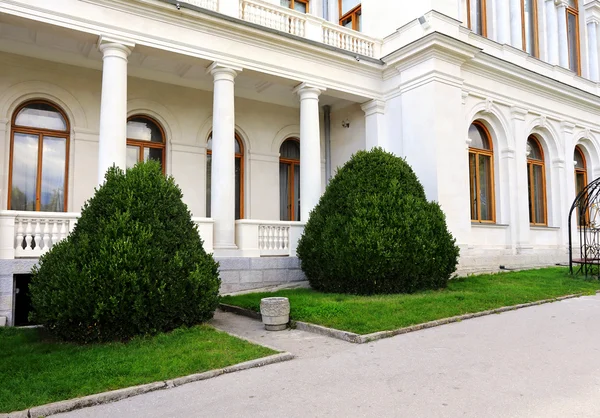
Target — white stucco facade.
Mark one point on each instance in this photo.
(413, 82)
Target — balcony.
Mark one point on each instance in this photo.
(297, 24)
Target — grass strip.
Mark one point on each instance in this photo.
(36, 370)
(368, 314)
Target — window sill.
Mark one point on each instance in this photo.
(488, 225)
(544, 228)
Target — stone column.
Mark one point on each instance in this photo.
(374, 124)
(552, 32)
(516, 29)
(567, 181)
(563, 44)
(112, 144)
(502, 21)
(223, 156)
(593, 49)
(310, 148)
(519, 192)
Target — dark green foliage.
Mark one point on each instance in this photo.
(133, 265)
(374, 231)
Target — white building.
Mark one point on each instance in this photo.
(495, 104)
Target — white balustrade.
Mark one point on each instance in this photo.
(256, 238)
(206, 4)
(205, 229)
(343, 38)
(274, 17)
(36, 232)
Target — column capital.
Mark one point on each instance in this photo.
(309, 91)
(223, 71)
(562, 3)
(116, 47)
(593, 20)
(373, 106)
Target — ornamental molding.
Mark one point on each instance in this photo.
(518, 113)
(373, 107)
(567, 127)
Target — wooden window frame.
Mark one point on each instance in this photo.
(40, 133)
(488, 153)
(240, 156)
(305, 2)
(292, 163)
(581, 171)
(483, 5)
(575, 12)
(352, 14)
(149, 144)
(536, 37)
(531, 163)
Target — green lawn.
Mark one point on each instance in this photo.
(367, 314)
(36, 371)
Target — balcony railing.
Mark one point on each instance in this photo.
(308, 26)
(257, 238)
(206, 4)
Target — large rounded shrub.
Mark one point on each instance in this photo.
(374, 231)
(133, 265)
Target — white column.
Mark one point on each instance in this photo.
(519, 193)
(567, 182)
(593, 49)
(502, 22)
(310, 148)
(516, 30)
(112, 144)
(552, 31)
(563, 46)
(223, 156)
(374, 124)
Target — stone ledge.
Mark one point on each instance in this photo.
(116, 395)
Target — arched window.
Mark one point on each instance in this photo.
(573, 35)
(536, 176)
(481, 174)
(580, 174)
(239, 177)
(530, 26)
(476, 16)
(289, 180)
(145, 141)
(39, 161)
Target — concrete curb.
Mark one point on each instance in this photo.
(240, 311)
(365, 338)
(116, 395)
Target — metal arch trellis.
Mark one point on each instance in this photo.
(586, 209)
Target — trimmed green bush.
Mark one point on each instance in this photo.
(374, 232)
(133, 265)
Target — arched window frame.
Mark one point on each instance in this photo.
(534, 29)
(581, 172)
(149, 144)
(240, 156)
(291, 180)
(66, 134)
(531, 164)
(478, 152)
(482, 13)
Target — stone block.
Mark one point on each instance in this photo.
(233, 263)
(251, 276)
(229, 276)
(6, 285)
(270, 263)
(6, 302)
(3, 321)
(296, 275)
(275, 276)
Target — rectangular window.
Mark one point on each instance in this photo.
(530, 26)
(573, 38)
(298, 5)
(350, 14)
(476, 16)
(481, 183)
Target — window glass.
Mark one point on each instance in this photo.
(54, 156)
(573, 42)
(285, 3)
(573, 4)
(348, 5)
(578, 158)
(143, 129)
(476, 16)
(290, 149)
(538, 194)
(41, 116)
(529, 26)
(133, 155)
(534, 151)
(24, 172)
(299, 6)
(473, 184)
(478, 137)
(485, 184)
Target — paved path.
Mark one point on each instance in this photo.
(536, 362)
